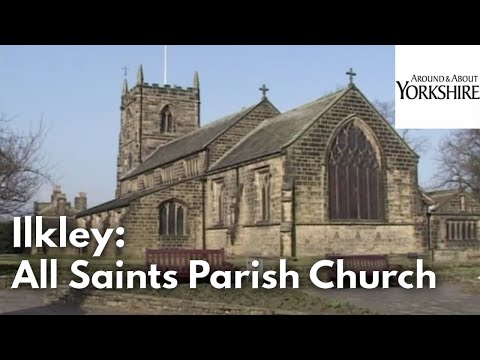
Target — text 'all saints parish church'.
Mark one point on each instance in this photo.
(330, 176)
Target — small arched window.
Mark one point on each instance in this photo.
(356, 190)
(173, 219)
(166, 120)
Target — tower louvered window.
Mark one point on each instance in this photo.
(166, 120)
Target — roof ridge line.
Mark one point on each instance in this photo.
(247, 112)
(339, 94)
(260, 126)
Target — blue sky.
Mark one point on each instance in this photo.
(77, 91)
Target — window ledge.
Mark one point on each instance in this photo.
(217, 227)
(261, 223)
(357, 222)
(462, 241)
(173, 237)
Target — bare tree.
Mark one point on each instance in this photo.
(23, 168)
(387, 109)
(459, 160)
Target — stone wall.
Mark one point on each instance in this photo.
(142, 219)
(243, 231)
(185, 104)
(260, 240)
(134, 303)
(306, 167)
(141, 222)
(349, 239)
(466, 255)
(219, 239)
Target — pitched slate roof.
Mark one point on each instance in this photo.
(442, 196)
(124, 202)
(109, 205)
(275, 134)
(189, 143)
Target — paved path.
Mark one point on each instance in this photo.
(30, 302)
(446, 299)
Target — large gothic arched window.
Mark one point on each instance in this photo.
(356, 190)
(173, 219)
(166, 120)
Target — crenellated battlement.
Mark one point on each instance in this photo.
(157, 90)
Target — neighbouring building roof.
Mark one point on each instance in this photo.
(426, 198)
(190, 143)
(274, 134)
(441, 196)
(54, 223)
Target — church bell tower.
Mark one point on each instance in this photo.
(151, 116)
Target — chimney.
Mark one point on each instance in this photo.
(81, 202)
(61, 204)
(55, 193)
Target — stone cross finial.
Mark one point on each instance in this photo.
(351, 74)
(125, 71)
(264, 90)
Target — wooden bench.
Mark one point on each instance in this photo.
(367, 263)
(179, 260)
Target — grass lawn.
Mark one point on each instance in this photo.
(467, 274)
(278, 299)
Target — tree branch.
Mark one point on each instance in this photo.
(23, 168)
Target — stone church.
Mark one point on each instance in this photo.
(330, 176)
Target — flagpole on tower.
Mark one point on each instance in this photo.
(164, 64)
